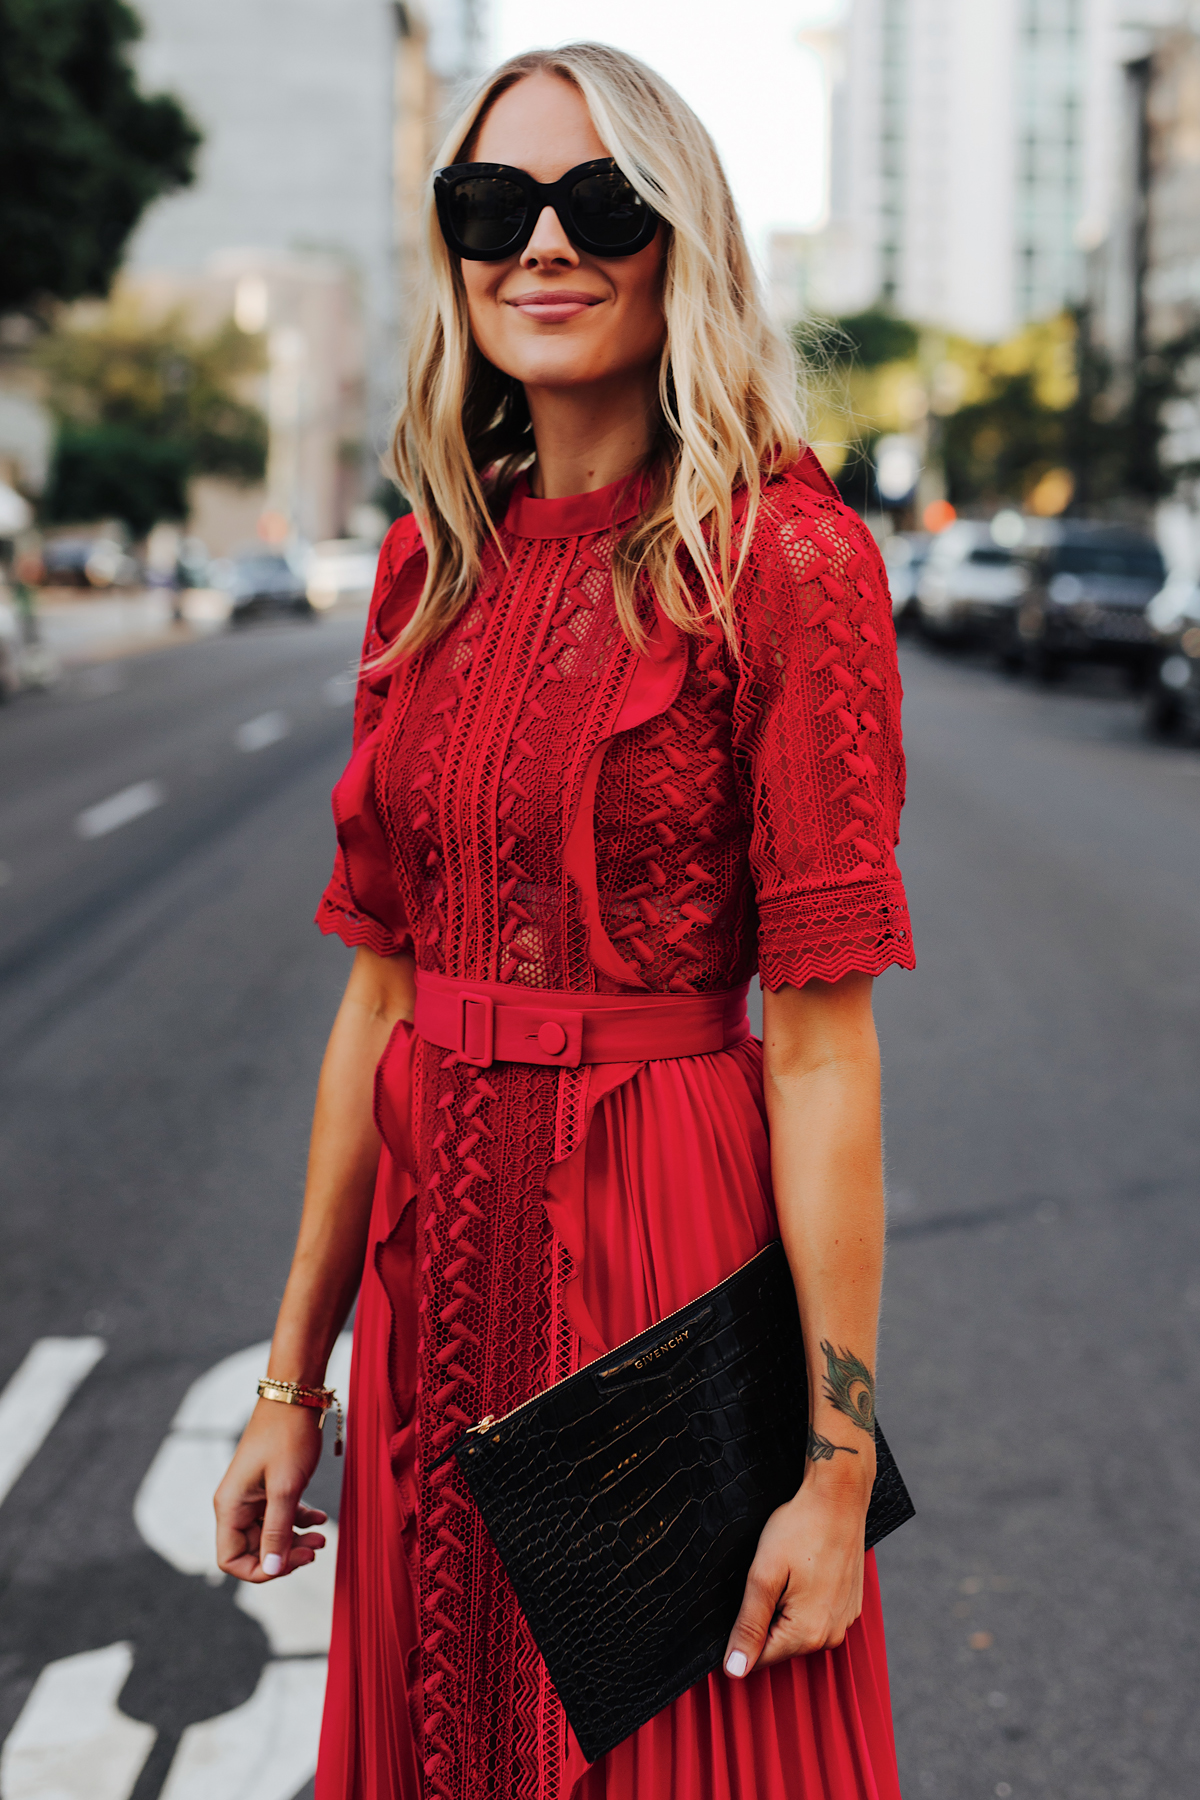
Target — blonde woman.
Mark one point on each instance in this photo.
(627, 729)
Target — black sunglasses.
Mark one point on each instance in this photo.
(488, 211)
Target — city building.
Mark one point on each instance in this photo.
(976, 156)
(303, 105)
(1144, 271)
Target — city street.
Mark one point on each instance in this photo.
(164, 836)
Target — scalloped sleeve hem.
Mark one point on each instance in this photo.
(337, 917)
(860, 928)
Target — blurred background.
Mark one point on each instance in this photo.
(982, 224)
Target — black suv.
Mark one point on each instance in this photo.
(1089, 589)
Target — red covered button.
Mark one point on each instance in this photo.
(552, 1039)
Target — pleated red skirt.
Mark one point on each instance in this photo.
(670, 1193)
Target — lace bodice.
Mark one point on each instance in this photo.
(532, 801)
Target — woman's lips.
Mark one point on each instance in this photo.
(553, 307)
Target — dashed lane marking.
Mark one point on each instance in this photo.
(258, 733)
(119, 809)
(36, 1396)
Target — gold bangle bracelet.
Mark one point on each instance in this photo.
(294, 1393)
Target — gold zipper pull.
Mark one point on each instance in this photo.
(485, 1424)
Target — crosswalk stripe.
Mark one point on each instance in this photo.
(35, 1397)
(71, 1742)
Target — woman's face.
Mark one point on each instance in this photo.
(556, 316)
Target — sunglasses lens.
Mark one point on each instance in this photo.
(487, 213)
(608, 211)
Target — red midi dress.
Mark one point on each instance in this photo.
(533, 804)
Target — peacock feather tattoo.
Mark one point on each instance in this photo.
(850, 1386)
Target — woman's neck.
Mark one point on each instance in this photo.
(589, 437)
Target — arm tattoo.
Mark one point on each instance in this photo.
(821, 1450)
(850, 1386)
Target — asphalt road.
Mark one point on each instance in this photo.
(163, 1003)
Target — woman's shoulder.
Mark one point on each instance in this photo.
(811, 552)
(802, 504)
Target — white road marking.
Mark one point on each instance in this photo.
(120, 808)
(70, 1742)
(257, 733)
(265, 1749)
(296, 1612)
(35, 1397)
(339, 690)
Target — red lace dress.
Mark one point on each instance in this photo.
(532, 802)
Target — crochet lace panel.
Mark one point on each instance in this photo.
(492, 1330)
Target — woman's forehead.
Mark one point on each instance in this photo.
(541, 125)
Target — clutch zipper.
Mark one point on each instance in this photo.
(482, 1426)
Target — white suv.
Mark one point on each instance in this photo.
(971, 587)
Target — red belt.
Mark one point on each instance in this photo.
(487, 1021)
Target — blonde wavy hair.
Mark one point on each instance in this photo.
(728, 381)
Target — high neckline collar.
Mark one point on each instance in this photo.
(575, 515)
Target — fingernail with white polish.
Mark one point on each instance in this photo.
(736, 1664)
(273, 1565)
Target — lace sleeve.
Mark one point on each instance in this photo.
(361, 867)
(817, 742)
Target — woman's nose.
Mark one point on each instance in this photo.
(549, 245)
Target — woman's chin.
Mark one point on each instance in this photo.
(566, 368)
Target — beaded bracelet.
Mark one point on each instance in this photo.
(292, 1393)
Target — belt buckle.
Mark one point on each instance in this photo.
(477, 1029)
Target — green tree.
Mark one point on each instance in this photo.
(143, 405)
(82, 151)
(110, 472)
(865, 340)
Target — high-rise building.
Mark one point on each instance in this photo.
(298, 103)
(975, 156)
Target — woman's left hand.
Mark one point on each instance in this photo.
(805, 1585)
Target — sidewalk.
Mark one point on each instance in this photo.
(77, 628)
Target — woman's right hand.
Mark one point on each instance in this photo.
(258, 1504)
(262, 1525)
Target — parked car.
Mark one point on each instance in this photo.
(89, 562)
(1089, 588)
(1173, 699)
(970, 588)
(341, 569)
(904, 555)
(259, 582)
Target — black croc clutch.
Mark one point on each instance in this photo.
(626, 1502)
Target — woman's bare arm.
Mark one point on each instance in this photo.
(821, 1063)
(258, 1502)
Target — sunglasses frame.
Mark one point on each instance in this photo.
(539, 195)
